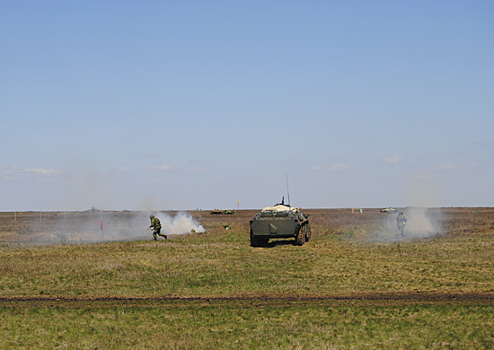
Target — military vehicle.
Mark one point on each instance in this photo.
(224, 211)
(389, 210)
(279, 221)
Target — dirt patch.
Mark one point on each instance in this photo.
(357, 299)
(9, 236)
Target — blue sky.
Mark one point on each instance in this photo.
(202, 104)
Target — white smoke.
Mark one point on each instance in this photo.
(179, 224)
(420, 224)
(100, 226)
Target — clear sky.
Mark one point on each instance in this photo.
(144, 105)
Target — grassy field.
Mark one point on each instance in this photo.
(226, 325)
(354, 285)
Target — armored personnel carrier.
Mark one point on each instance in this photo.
(279, 221)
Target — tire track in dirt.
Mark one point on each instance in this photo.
(355, 299)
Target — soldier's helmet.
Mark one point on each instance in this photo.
(151, 216)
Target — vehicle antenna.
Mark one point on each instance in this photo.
(287, 190)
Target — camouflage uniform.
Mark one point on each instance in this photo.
(156, 225)
(401, 221)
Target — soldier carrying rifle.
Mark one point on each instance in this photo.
(156, 225)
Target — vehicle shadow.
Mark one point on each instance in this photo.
(273, 244)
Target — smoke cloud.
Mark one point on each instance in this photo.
(179, 224)
(100, 226)
(421, 223)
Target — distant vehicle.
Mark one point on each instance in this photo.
(221, 212)
(279, 221)
(389, 210)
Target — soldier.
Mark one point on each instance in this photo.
(156, 225)
(401, 221)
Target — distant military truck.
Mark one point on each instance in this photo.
(279, 221)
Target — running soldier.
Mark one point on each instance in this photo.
(156, 225)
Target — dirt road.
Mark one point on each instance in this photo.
(357, 299)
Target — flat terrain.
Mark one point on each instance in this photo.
(65, 282)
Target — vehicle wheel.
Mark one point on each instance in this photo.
(255, 241)
(308, 234)
(300, 240)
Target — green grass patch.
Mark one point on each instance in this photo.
(226, 325)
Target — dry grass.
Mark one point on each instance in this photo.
(342, 289)
(339, 259)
